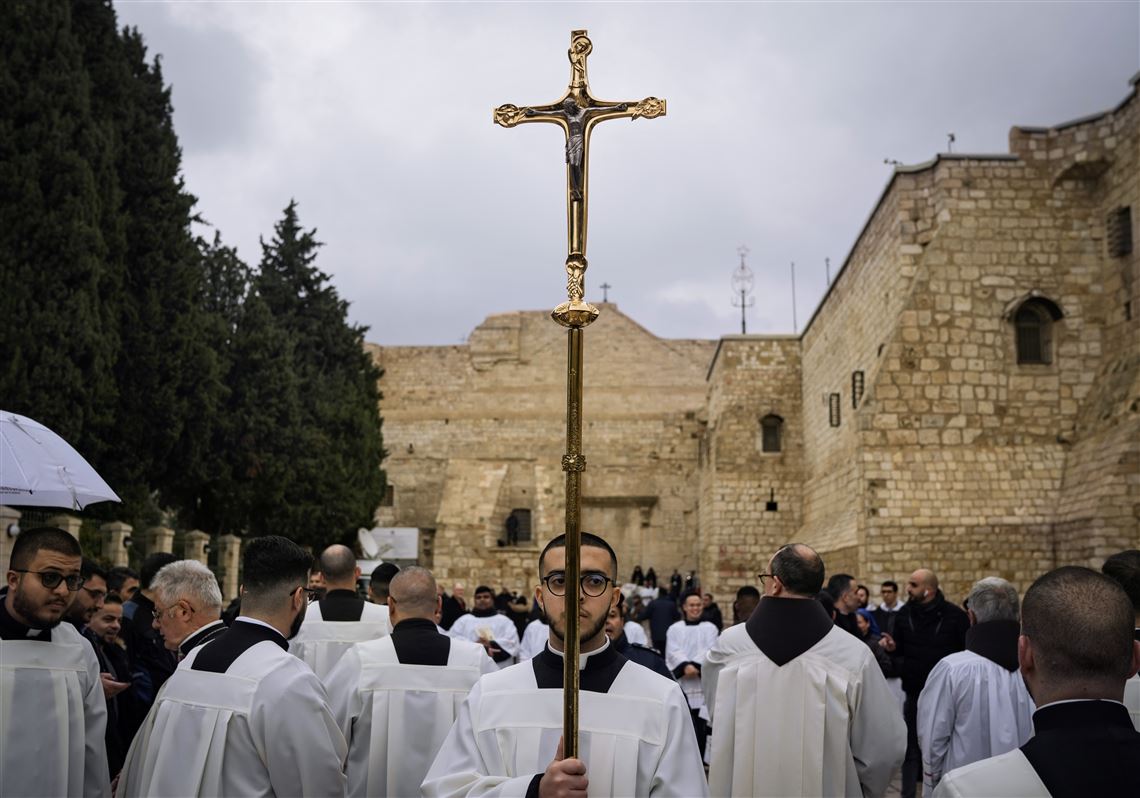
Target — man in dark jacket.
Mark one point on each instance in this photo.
(615, 631)
(661, 613)
(928, 628)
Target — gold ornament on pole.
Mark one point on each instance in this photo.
(576, 112)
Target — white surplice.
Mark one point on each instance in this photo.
(496, 627)
(636, 739)
(534, 639)
(635, 634)
(396, 716)
(53, 717)
(970, 709)
(823, 724)
(263, 728)
(321, 643)
(1008, 775)
(689, 642)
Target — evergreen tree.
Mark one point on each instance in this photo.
(59, 243)
(335, 482)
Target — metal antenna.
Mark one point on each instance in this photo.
(950, 139)
(795, 324)
(827, 269)
(742, 284)
(892, 162)
(605, 291)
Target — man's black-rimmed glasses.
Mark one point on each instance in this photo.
(593, 583)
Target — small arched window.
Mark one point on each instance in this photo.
(771, 433)
(1033, 326)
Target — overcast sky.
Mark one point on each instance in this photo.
(376, 118)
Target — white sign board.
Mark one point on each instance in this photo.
(390, 543)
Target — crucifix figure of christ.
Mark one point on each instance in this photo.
(576, 112)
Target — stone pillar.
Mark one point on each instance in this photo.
(159, 538)
(229, 558)
(195, 546)
(8, 517)
(116, 543)
(68, 523)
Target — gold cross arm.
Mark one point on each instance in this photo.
(577, 112)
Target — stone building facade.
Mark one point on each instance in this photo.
(966, 398)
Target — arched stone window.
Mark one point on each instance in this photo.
(1033, 323)
(771, 433)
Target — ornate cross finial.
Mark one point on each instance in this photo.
(577, 112)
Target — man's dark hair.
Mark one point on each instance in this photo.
(588, 539)
(828, 603)
(90, 568)
(152, 565)
(800, 568)
(689, 594)
(118, 576)
(892, 584)
(337, 563)
(483, 589)
(30, 543)
(838, 584)
(748, 590)
(271, 561)
(1080, 624)
(1124, 568)
(112, 598)
(384, 572)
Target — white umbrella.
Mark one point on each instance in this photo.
(39, 468)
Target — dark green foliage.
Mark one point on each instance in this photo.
(239, 402)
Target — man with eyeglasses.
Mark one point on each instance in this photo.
(635, 733)
(54, 715)
(686, 644)
(799, 706)
(89, 598)
(484, 625)
(341, 618)
(187, 606)
(241, 715)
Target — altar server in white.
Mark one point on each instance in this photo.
(485, 626)
(534, 639)
(241, 716)
(635, 735)
(799, 706)
(975, 704)
(1124, 567)
(53, 714)
(686, 644)
(396, 697)
(341, 619)
(1076, 651)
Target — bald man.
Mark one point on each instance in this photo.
(395, 698)
(928, 628)
(340, 619)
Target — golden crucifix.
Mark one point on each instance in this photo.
(576, 112)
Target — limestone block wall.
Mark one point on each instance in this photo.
(751, 377)
(478, 430)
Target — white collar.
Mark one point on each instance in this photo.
(247, 619)
(582, 658)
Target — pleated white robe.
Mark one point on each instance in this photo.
(636, 739)
(534, 639)
(970, 709)
(395, 716)
(1008, 775)
(263, 728)
(687, 642)
(53, 717)
(823, 724)
(320, 643)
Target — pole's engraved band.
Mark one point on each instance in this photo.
(573, 462)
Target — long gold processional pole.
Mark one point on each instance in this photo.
(576, 112)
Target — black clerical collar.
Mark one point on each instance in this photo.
(235, 641)
(342, 605)
(12, 629)
(418, 642)
(203, 635)
(1080, 713)
(620, 643)
(487, 613)
(996, 641)
(697, 622)
(784, 628)
(596, 675)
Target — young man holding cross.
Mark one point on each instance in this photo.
(635, 733)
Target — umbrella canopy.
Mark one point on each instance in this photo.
(39, 468)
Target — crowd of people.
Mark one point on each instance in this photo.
(143, 684)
